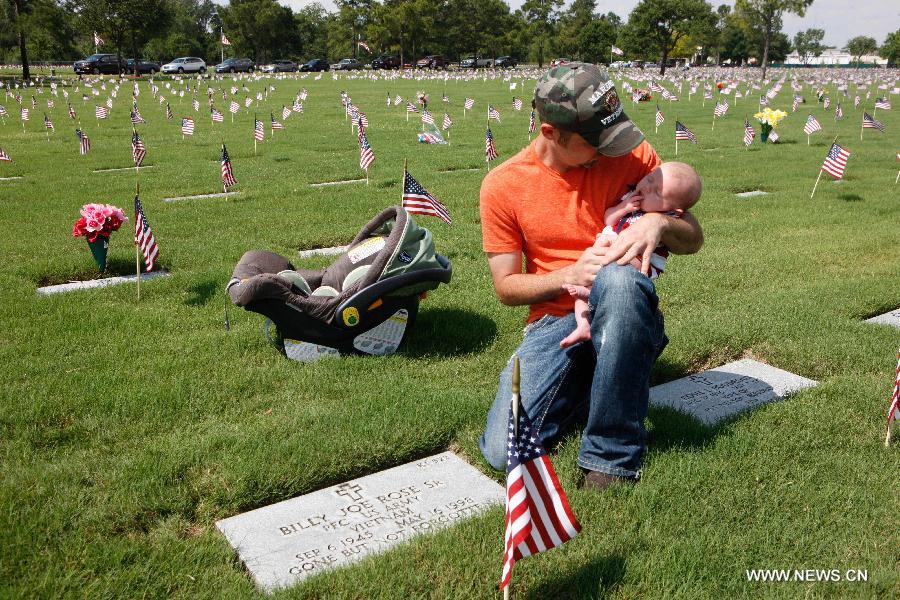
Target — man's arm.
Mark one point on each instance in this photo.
(515, 288)
(681, 236)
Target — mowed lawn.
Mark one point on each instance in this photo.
(128, 428)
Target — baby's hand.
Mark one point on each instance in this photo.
(633, 204)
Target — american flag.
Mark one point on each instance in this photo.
(490, 151)
(795, 104)
(811, 126)
(364, 46)
(616, 51)
(196, 104)
(532, 124)
(366, 155)
(388, 100)
(468, 103)
(427, 117)
(683, 133)
(838, 112)
(871, 123)
(493, 113)
(225, 41)
(297, 107)
(25, 116)
(247, 102)
(137, 149)
(398, 100)
(418, 200)
(856, 102)
(411, 108)
(707, 95)
(749, 133)
(826, 103)
(143, 236)
(538, 515)
(836, 161)
(517, 103)
(84, 143)
(217, 116)
(3, 112)
(187, 126)
(883, 103)
(275, 124)
(227, 174)
(720, 109)
(169, 114)
(4, 156)
(447, 122)
(259, 133)
(101, 112)
(109, 103)
(48, 123)
(50, 104)
(763, 101)
(136, 117)
(659, 116)
(98, 41)
(362, 120)
(773, 136)
(655, 87)
(233, 107)
(72, 114)
(285, 112)
(444, 97)
(894, 408)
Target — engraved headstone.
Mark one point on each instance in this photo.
(751, 193)
(888, 318)
(717, 394)
(284, 543)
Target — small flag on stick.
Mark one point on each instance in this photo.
(893, 412)
(417, 200)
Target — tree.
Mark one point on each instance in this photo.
(541, 17)
(809, 43)
(660, 24)
(19, 8)
(861, 45)
(765, 16)
(121, 22)
(890, 49)
(596, 39)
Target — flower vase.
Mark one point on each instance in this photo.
(764, 133)
(99, 249)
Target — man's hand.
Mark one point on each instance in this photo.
(584, 271)
(640, 239)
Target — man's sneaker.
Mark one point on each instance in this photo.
(599, 481)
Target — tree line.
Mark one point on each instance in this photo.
(263, 30)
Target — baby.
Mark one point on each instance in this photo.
(671, 188)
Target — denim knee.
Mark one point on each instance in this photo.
(617, 283)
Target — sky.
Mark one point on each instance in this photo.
(841, 19)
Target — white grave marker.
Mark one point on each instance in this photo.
(888, 318)
(284, 543)
(717, 394)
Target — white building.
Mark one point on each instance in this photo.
(833, 57)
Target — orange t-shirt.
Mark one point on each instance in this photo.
(550, 217)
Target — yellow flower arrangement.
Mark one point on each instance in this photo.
(770, 117)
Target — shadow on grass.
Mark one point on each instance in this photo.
(673, 429)
(200, 293)
(593, 580)
(449, 332)
(851, 197)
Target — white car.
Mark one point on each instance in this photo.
(187, 64)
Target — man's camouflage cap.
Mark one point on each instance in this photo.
(580, 97)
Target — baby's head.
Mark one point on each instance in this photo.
(672, 186)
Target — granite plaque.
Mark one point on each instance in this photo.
(888, 318)
(284, 543)
(717, 394)
(751, 194)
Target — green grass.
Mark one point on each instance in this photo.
(129, 428)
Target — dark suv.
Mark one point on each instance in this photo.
(316, 64)
(505, 62)
(143, 66)
(434, 61)
(386, 61)
(108, 64)
(236, 65)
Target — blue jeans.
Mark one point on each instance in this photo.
(604, 383)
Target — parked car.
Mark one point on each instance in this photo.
(316, 64)
(505, 62)
(185, 64)
(559, 61)
(96, 64)
(386, 61)
(280, 66)
(143, 66)
(473, 62)
(347, 64)
(236, 65)
(432, 61)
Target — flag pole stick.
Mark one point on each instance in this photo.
(137, 250)
(816, 184)
(898, 178)
(861, 128)
(516, 382)
(403, 185)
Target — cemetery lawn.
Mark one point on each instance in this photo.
(128, 428)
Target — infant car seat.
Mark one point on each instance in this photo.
(363, 303)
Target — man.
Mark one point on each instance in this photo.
(547, 204)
